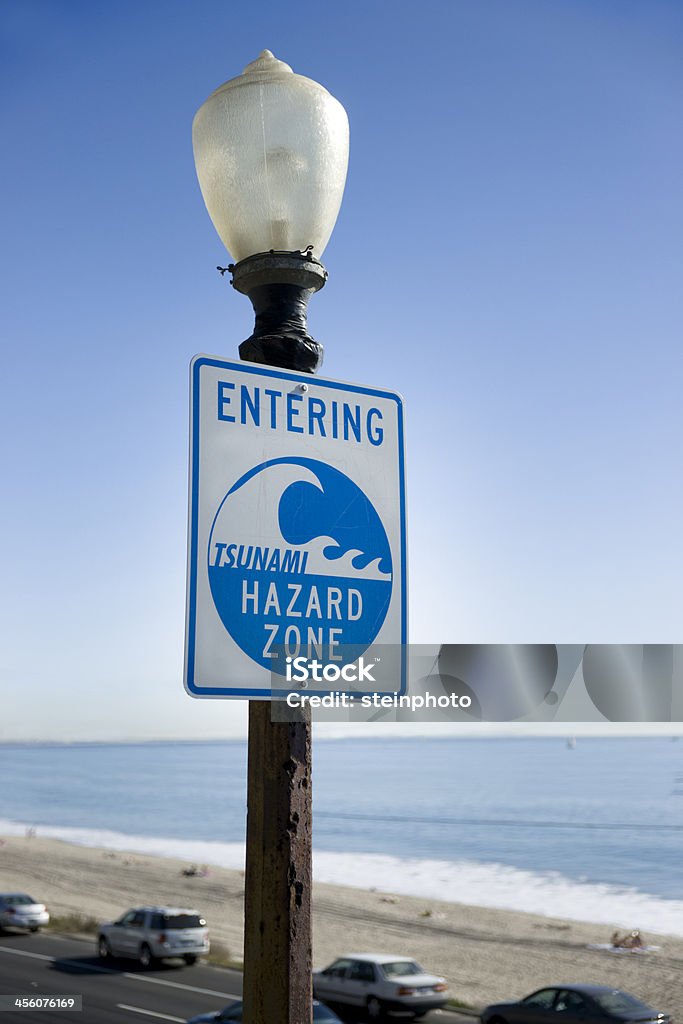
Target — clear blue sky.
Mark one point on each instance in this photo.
(508, 256)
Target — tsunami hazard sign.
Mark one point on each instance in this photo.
(297, 532)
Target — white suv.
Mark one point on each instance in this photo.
(380, 984)
(155, 933)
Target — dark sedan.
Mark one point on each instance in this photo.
(575, 1004)
(232, 1013)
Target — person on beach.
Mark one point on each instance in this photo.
(634, 940)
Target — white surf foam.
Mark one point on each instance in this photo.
(483, 884)
(550, 894)
(226, 855)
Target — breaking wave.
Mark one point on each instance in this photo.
(462, 881)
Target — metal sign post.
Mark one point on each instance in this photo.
(297, 544)
(277, 887)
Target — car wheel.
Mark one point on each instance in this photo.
(498, 1020)
(145, 956)
(190, 958)
(103, 948)
(375, 1010)
(33, 928)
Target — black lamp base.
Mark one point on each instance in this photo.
(279, 285)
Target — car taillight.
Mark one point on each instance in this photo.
(405, 990)
(441, 987)
(162, 937)
(11, 910)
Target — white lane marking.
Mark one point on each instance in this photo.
(176, 984)
(150, 1013)
(23, 952)
(122, 974)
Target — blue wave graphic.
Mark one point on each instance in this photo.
(337, 509)
(291, 611)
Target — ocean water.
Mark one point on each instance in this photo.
(592, 833)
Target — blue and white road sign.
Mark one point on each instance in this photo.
(297, 533)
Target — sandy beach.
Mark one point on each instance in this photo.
(486, 955)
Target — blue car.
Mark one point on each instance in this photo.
(233, 1013)
(575, 1004)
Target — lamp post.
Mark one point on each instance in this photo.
(271, 151)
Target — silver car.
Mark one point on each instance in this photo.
(147, 934)
(18, 910)
(380, 984)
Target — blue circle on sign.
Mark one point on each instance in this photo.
(299, 564)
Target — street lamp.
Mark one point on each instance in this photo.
(271, 151)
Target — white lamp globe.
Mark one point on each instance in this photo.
(271, 150)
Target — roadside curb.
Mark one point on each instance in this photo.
(462, 1012)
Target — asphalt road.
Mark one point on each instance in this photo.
(122, 992)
